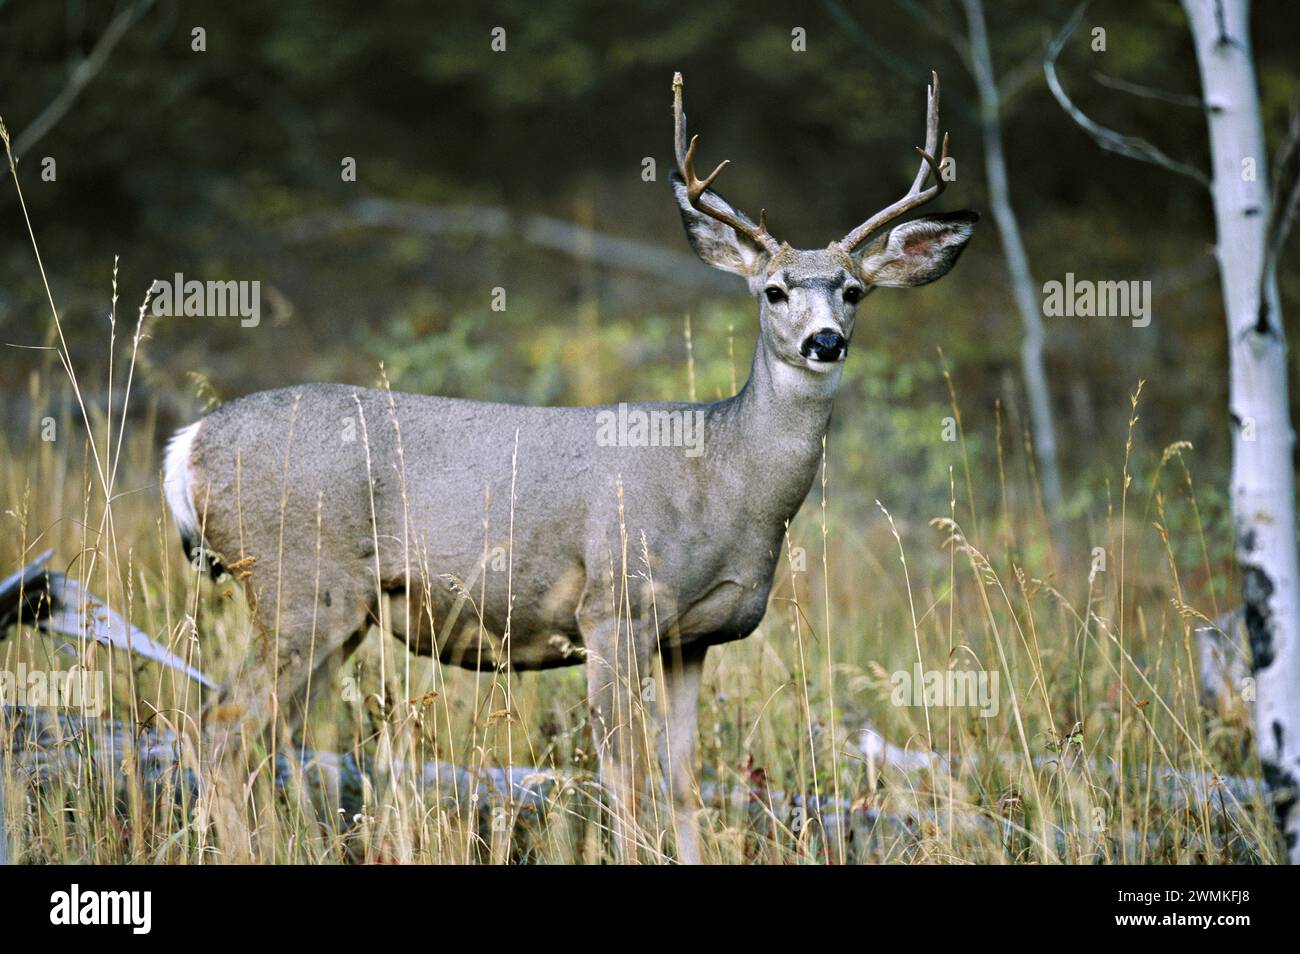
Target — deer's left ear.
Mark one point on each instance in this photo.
(918, 252)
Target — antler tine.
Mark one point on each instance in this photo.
(696, 187)
(917, 195)
(931, 129)
(679, 122)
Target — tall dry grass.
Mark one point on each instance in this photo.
(1100, 750)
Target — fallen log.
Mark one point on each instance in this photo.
(48, 746)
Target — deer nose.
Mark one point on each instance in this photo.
(825, 345)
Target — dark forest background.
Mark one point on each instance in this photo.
(225, 164)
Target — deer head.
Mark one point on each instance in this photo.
(808, 298)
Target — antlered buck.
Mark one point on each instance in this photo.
(408, 510)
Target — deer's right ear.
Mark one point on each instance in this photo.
(717, 243)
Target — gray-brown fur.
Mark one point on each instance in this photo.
(283, 452)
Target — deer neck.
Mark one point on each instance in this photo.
(776, 425)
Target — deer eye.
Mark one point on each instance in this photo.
(853, 294)
(774, 294)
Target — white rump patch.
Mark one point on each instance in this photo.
(178, 482)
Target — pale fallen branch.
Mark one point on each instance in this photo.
(60, 605)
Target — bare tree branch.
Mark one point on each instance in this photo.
(496, 223)
(1149, 92)
(904, 68)
(1015, 80)
(1285, 211)
(1010, 85)
(896, 64)
(1023, 286)
(80, 77)
(1132, 146)
(928, 18)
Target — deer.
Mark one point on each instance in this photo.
(324, 530)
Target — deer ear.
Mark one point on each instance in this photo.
(716, 243)
(918, 252)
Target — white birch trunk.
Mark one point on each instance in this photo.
(1263, 480)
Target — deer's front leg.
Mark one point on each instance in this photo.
(617, 664)
(678, 734)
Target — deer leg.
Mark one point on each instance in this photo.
(320, 783)
(679, 730)
(322, 674)
(290, 647)
(616, 664)
(317, 619)
(303, 619)
(271, 689)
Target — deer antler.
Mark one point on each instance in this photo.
(696, 187)
(916, 195)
